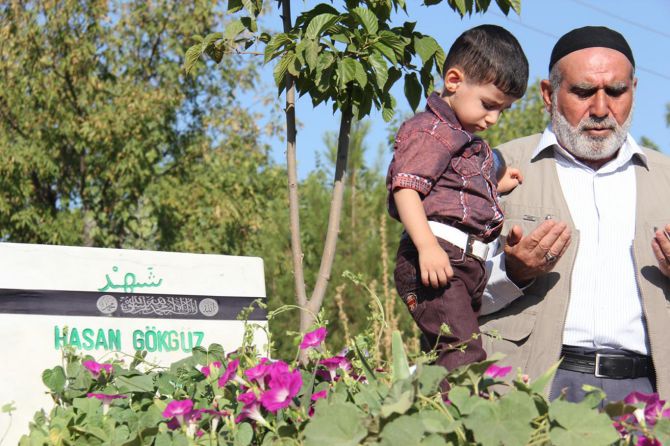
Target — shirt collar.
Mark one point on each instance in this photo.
(626, 153)
(442, 110)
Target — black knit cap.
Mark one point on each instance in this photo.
(590, 37)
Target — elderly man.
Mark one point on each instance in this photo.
(584, 271)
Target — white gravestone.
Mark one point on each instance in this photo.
(111, 303)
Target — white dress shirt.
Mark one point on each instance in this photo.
(604, 309)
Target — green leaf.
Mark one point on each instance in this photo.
(434, 440)
(318, 24)
(402, 431)
(412, 90)
(395, 42)
(388, 107)
(506, 422)
(232, 29)
(366, 18)
(543, 381)
(346, 71)
(192, 56)
(662, 430)
(234, 5)
(277, 41)
(54, 379)
(369, 373)
(425, 47)
(399, 400)
(311, 52)
(359, 74)
(387, 51)
(243, 434)
(139, 383)
(436, 422)
(279, 71)
(400, 364)
(88, 406)
(379, 67)
(430, 377)
(8, 408)
(460, 6)
(578, 424)
(338, 424)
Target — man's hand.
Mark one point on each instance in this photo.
(435, 267)
(661, 246)
(526, 257)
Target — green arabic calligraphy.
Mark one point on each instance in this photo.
(130, 282)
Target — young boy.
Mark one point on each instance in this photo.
(442, 187)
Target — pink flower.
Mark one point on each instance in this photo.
(313, 338)
(653, 409)
(318, 395)
(283, 386)
(96, 368)
(495, 371)
(231, 369)
(258, 372)
(644, 441)
(106, 400)
(179, 410)
(207, 369)
(251, 409)
(334, 363)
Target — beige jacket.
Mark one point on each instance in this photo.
(531, 328)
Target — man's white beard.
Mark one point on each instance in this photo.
(583, 146)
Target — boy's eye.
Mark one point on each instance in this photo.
(489, 106)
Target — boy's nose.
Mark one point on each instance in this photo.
(491, 118)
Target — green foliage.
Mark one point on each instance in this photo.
(211, 398)
(104, 141)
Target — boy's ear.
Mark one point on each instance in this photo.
(452, 79)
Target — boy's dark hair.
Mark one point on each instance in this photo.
(490, 54)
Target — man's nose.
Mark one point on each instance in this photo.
(599, 105)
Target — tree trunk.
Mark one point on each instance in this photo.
(293, 199)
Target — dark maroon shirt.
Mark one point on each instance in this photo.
(450, 168)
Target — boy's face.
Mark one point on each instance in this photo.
(477, 106)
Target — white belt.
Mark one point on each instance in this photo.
(470, 245)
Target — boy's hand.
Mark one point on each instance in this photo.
(435, 267)
(511, 179)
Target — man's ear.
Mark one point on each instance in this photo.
(453, 78)
(545, 89)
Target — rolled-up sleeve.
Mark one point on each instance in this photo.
(420, 158)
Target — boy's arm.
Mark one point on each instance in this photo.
(433, 260)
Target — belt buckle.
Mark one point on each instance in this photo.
(597, 370)
(469, 243)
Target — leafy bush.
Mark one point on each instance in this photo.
(345, 398)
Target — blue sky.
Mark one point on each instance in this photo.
(644, 23)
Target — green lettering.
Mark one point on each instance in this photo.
(114, 337)
(87, 334)
(75, 340)
(138, 340)
(101, 341)
(60, 340)
(198, 337)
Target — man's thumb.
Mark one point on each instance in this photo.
(514, 235)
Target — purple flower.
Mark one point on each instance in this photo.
(96, 368)
(283, 386)
(207, 369)
(231, 369)
(318, 395)
(313, 338)
(494, 371)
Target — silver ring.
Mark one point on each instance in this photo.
(549, 257)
